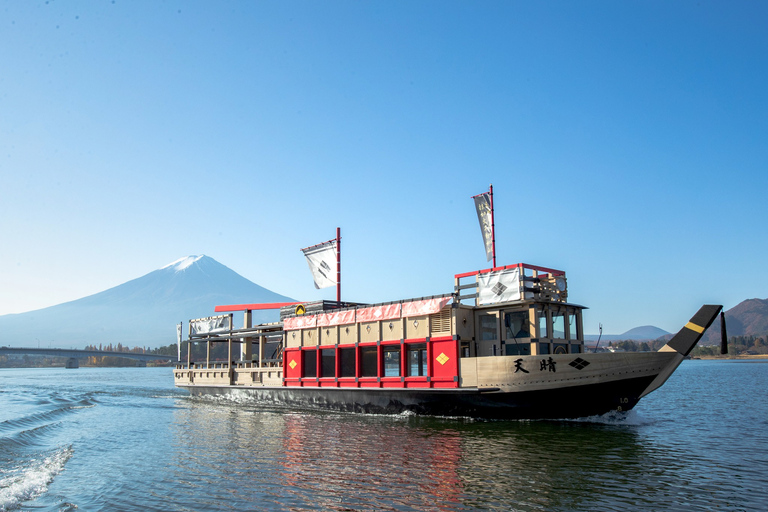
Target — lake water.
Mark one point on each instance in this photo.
(126, 439)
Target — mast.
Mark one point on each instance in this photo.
(493, 229)
(338, 264)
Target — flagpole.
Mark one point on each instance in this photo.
(338, 264)
(493, 231)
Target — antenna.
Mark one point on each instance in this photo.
(598, 337)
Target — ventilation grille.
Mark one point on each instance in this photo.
(441, 322)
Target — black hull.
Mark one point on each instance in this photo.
(561, 402)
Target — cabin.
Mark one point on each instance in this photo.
(461, 339)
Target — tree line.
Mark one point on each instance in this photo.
(737, 345)
(119, 348)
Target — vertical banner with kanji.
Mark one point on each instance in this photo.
(483, 205)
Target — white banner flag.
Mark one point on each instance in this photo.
(503, 286)
(322, 261)
(178, 339)
(483, 207)
(210, 324)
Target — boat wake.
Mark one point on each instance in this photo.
(32, 479)
(615, 418)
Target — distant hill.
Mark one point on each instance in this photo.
(142, 312)
(643, 333)
(646, 332)
(748, 318)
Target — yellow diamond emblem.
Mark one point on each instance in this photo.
(442, 358)
(293, 364)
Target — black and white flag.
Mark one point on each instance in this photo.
(322, 261)
(485, 216)
(502, 286)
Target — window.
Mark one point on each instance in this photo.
(516, 325)
(558, 325)
(543, 324)
(488, 329)
(575, 349)
(328, 362)
(347, 362)
(369, 362)
(309, 362)
(417, 359)
(391, 361)
(573, 327)
(543, 348)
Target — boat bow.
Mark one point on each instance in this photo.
(684, 341)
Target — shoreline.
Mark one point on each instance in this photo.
(755, 357)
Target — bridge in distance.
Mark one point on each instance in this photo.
(74, 354)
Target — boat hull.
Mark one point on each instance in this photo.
(562, 402)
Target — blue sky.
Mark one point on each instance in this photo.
(626, 143)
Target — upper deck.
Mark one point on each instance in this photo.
(507, 311)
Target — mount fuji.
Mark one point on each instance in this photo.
(142, 312)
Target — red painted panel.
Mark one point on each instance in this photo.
(420, 384)
(291, 355)
(369, 382)
(391, 382)
(444, 361)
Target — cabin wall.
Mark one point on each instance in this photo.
(348, 333)
(418, 351)
(417, 327)
(391, 329)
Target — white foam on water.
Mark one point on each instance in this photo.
(32, 481)
(627, 418)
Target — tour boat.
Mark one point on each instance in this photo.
(505, 343)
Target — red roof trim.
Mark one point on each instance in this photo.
(245, 307)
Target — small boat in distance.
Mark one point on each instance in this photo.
(504, 343)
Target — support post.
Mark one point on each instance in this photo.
(493, 229)
(245, 343)
(338, 264)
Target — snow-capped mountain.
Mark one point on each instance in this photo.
(142, 312)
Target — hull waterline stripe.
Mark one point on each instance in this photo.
(692, 326)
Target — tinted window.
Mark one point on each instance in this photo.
(392, 361)
(558, 325)
(309, 363)
(516, 324)
(347, 362)
(488, 327)
(417, 360)
(369, 362)
(328, 362)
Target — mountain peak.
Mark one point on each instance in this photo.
(150, 306)
(183, 263)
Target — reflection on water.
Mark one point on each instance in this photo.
(316, 461)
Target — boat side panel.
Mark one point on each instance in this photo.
(530, 373)
(571, 402)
